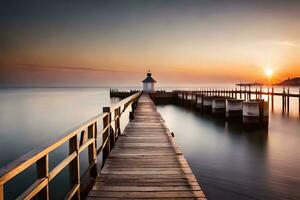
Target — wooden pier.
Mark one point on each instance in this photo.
(244, 94)
(142, 162)
(146, 162)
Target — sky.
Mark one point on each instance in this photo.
(114, 43)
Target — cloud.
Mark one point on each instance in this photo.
(287, 43)
(29, 66)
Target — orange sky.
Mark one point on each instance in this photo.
(196, 42)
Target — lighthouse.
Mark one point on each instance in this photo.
(148, 83)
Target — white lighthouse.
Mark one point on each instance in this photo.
(148, 83)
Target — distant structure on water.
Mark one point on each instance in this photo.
(148, 83)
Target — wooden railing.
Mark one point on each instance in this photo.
(84, 137)
(246, 95)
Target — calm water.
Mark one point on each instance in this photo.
(229, 162)
(32, 117)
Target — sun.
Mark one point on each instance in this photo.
(269, 72)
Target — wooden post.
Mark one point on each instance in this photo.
(92, 150)
(235, 94)
(272, 99)
(268, 95)
(299, 101)
(249, 92)
(256, 93)
(106, 134)
(117, 123)
(42, 166)
(1, 192)
(240, 92)
(283, 100)
(245, 91)
(288, 100)
(260, 92)
(74, 166)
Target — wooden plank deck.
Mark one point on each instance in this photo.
(146, 163)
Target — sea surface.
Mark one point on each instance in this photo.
(229, 162)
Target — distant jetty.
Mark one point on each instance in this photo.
(290, 82)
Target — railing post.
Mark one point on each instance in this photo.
(42, 166)
(74, 166)
(1, 192)
(92, 150)
(106, 134)
(117, 123)
(115, 134)
(133, 106)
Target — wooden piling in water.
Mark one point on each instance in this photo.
(272, 99)
(288, 100)
(283, 100)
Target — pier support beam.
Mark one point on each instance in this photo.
(288, 101)
(272, 99)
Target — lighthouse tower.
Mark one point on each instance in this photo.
(148, 83)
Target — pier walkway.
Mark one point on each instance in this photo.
(145, 162)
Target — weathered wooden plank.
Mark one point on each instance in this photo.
(157, 194)
(148, 176)
(158, 183)
(146, 163)
(146, 189)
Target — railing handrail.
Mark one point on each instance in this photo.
(88, 139)
(124, 101)
(5, 171)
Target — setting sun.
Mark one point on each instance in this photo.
(269, 72)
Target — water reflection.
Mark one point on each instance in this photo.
(233, 163)
(32, 117)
